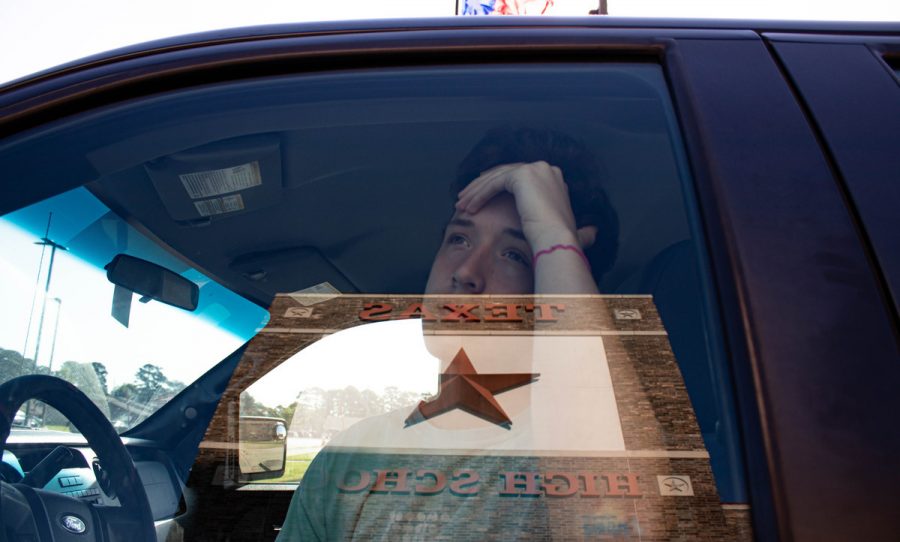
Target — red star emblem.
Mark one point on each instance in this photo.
(465, 389)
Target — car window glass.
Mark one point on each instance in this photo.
(419, 368)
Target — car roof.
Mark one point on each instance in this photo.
(293, 30)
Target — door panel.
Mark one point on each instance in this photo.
(855, 104)
(816, 326)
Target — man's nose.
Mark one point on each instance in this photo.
(470, 276)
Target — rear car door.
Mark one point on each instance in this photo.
(805, 268)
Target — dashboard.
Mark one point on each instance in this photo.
(71, 468)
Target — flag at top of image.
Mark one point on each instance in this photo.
(527, 7)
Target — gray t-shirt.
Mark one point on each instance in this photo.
(358, 495)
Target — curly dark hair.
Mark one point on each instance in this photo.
(580, 168)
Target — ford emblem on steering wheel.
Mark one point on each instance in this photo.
(73, 524)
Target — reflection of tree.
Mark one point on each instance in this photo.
(319, 413)
(100, 369)
(126, 393)
(13, 364)
(394, 398)
(126, 404)
(352, 402)
(132, 402)
(150, 380)
(85, 378)
(251, 407)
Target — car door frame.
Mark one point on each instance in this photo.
(797, 292)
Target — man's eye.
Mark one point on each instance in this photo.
(456, 239)
(518, 257)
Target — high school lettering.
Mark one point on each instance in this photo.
(468, 482)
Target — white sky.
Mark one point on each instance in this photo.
(35, 35)
(372, 356)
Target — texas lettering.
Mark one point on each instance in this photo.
(462, 312)
(467, 482)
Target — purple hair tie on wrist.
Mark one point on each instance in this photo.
(554, 248)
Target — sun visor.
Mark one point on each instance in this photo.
(219, 179)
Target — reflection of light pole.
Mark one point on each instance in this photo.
(37, 282)
(45, 241)
(55, 333)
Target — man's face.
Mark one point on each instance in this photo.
(483, 253)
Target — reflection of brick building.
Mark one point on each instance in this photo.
(651, 482)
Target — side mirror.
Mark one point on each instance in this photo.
(262, 452)
(151, 281)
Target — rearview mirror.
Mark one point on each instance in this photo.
(151, 281)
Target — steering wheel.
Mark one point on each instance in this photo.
(28, 511)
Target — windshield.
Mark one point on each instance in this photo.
(57, 316)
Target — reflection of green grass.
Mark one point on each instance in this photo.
(294, 469)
